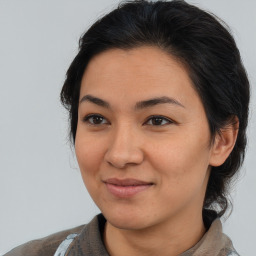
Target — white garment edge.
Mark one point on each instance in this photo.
(233, 254)
(63, 247)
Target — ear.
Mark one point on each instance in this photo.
(224, 142)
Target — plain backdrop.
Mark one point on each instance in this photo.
(41, 190)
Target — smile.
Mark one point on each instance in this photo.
(127, 187)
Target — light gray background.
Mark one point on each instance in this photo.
(41, 190)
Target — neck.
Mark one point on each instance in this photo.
(169, 238)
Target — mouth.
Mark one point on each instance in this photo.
(126, 187)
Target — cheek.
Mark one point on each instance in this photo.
(89, 152)
(182, 161)
(182, 175)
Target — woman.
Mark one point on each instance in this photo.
(158, 103)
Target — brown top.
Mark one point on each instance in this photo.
(89, 242)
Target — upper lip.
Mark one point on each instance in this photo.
(126, 182)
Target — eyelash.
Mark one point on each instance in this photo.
(168, 120)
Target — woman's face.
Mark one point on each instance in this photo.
(143, 140)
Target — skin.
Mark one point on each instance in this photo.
(174, 154)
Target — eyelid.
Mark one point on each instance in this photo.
(170, 121)
(87, 117)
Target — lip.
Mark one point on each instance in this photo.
(125, 188)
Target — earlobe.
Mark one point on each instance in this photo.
(224, 142)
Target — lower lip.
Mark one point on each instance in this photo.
(126, 191)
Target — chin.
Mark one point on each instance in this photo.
(126, 219)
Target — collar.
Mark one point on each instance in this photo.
(90, 241)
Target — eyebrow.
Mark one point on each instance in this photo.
(138, 106)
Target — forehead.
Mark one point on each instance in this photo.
(136, 73)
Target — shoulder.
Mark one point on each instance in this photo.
(44, 246)
(228, 248)
(216, 242)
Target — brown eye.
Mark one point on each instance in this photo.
(158, 121)
(95, 119)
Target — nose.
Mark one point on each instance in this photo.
(124, 148)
